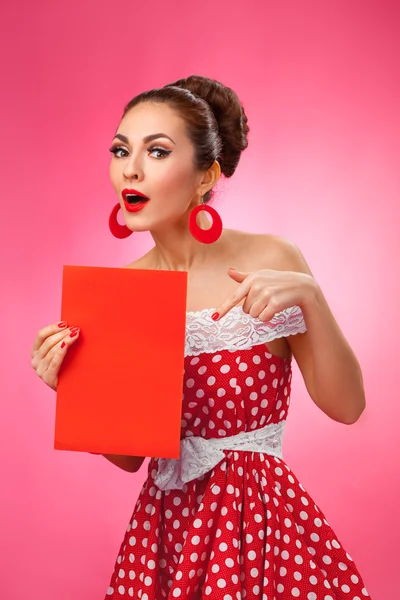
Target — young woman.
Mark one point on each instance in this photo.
(228, 520)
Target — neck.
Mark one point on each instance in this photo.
(177, 250)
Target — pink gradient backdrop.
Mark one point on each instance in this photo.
(320, 84)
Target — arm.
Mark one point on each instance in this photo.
(330, 369)
(131, 464)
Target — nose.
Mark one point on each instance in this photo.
(133, 169)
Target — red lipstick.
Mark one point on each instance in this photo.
(134, 200)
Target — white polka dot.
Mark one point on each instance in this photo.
(211, 380)
(295, 592)
(225, 369)
(318, 523)
(189, 383)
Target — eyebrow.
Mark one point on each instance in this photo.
(147, 139)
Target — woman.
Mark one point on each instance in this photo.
(229, 519)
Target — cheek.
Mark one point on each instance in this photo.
(114, 175)
(176, 180)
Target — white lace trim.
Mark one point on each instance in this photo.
(238, 330)
(199, 455)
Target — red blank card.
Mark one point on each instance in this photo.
(120, 386)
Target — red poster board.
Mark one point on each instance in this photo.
(120, 386)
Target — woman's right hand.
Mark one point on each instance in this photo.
(49, 349)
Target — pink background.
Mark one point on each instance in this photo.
(320, 84)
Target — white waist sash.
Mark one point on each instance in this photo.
(199, 455)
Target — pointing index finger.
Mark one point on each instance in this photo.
(231, 301)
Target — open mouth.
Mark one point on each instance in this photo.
(135, 199)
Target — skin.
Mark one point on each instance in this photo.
(270, 271)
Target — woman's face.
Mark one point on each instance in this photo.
(161, 168)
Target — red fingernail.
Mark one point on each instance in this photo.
(73, 334)
(63, 345)
(74, 328)
(215, 316)
(62, 324)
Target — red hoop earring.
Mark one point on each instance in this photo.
(119, 231)
(206, 236)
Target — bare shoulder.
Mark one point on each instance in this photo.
(255, 251)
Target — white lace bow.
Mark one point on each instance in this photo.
(199, 455)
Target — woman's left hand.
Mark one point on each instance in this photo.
(268, 292)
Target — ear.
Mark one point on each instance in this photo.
(209, 178)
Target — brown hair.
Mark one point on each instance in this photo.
(215, 120)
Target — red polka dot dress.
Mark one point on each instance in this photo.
(229, 519)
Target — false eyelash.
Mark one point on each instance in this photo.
(159, 149)
(115, 149)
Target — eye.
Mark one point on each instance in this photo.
(161, 151)
(116, 149)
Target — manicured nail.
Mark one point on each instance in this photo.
(63, 345)
(215, 316)
(74, 333)
(74, 328)
(62, 324)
